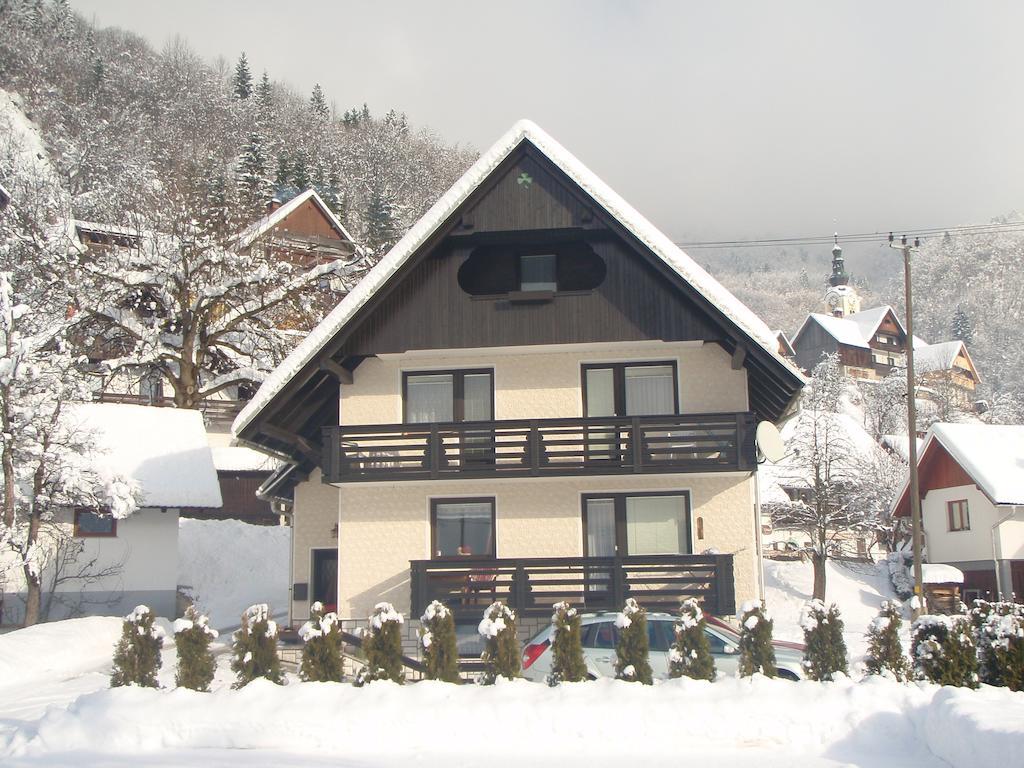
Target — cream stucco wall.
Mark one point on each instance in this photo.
(316, 514)
(539, 383)
(946, 546)
(384, 526)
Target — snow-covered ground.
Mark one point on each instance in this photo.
(858, 589)
(56, 709)
(228, 565)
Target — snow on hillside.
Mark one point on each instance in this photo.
(228, 565)
(858, 589)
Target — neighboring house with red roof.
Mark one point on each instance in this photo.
(972, 505)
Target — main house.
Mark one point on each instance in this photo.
(534, 396)
(972, 505)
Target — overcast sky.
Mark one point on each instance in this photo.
(715, 119)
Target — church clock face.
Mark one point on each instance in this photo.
(833, 299)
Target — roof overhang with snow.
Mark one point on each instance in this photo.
(304, 379)
(258, 229)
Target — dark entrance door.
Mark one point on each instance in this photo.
(325, 578)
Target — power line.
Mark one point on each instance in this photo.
(859, 237)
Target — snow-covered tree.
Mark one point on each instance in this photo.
(437, 637)
(756, 651)
(943, 650)
(255, 648)
(137, 654)
(196, 662)
(632, 652)
(48, 457)
(254, 185)
(960, 326)
(318, 103)
(884, 403)
(825, 653)
(690, 654)
(382, 644)
(885, 650)
(322, 645)
(242, 81)
(501, 654)
(567, 663)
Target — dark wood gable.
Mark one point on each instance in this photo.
(936, 469)
(526, 205)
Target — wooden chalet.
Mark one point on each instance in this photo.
(534, 396)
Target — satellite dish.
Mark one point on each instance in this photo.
(769, 442)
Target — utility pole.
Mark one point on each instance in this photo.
(915, 489)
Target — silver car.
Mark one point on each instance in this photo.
(600, 635)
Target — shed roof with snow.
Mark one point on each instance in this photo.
(165, 450)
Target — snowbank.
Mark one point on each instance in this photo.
(875, 722)
(228, 565)
(58, 650)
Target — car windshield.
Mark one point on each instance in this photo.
(605, 635)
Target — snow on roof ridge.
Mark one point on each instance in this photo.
(992, 454)
(616, 206)
(268, 221)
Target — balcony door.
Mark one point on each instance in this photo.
(621, 390)
(454, 396)
(617, 525)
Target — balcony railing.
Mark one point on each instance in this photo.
(540, 448)
(530, 586)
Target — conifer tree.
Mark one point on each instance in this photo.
(961, 326)
(137, 654)
(756, 651)
(196, 663)
(501, 654)
(633, 648)
(1005, 634)
(690, 654)
(943, 651)
(382, 644)
(437, 637)
(825, 652)
(318, 104)
(885, 651)
(253, 181)
(567, 665)
(322, 645)
(264, 95)
(381, 222)
(242, 83)
(255, 648)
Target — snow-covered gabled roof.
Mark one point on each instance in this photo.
(745, 321)
(938, 357)
(992, 455)
(868, 320)
(257, 229)
(165, 450)
(237, 458)
(839, 328)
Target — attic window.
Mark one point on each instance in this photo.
(537, 272)
(496, 270)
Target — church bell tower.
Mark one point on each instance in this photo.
(841, 298)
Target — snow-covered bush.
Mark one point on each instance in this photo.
(382, 644)
(885, 651)
(437, 637)
(756, 651)
(901, 574)
(633, 649)
(825, 653)
(321, 649)
(255, 647)
(999, 638)
(943, 650)
(137, 654)
(567, 664)
(501, 654)
(196, 663)
(690, 654)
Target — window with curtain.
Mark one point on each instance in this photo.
(449, 396)
(656, 525)
(630, 389)
(463, 527)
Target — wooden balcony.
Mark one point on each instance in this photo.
(722, 442)
(531, 585)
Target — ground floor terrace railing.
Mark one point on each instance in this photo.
(719, 442)
(531, 585)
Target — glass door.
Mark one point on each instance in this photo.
(445, 397)
(599, 530)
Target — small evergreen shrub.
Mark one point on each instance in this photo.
(137, 653)
(322, 645)
(690, 654)
(567, 663)
(885, 651)
(255, 648)
(382, 643)
(633, 649)
(825, 654)
(943, 651)
(437, 637)
(756, 651)
(501, 654)
(999, 638)
(196, 663)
